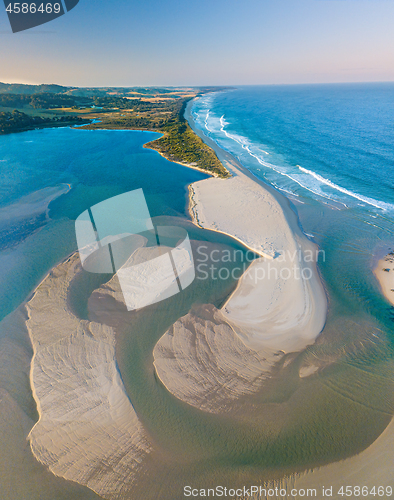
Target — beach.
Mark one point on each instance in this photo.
(384, 272)
(279, 305)
(281, 294)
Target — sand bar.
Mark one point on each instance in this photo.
(280, 302)
(384, 272)
(211, 357)
(86, 419)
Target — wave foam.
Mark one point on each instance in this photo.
(364, 199)
(307, 179)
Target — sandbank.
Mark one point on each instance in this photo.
(87, 431)
(280, 302)
(211, 357)
(384, 272)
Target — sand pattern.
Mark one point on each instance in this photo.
(88, 430)
(203, 361)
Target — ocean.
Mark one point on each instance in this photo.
(333, 143)
(329, 150)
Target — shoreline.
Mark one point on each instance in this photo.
(147, 145)
(288, 215)
(264, 318)
(262, 219)
(234, 166)
(58, 339)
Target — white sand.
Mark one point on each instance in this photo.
(384, 273)
(88, 431)
(211, 361)
(203, 361)
(280, 302)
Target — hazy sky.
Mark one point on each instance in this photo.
(204, 42)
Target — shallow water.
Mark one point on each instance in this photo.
(47, 178)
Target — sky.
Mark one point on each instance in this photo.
(204, 42)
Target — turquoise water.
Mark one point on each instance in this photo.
(75, 169)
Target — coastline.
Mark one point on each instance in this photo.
(262, 219)
(371, 467)
(268, 315)
(245, 333)
(61, 342)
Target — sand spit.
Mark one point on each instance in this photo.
(88, 431)
(279, 303)
(384, 273)
(209, 358)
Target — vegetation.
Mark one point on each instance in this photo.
(37, 101)
(181, 144)
(17, 121)
(20, 88)
(24, 107)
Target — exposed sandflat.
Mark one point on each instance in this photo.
(86, 419)
(384, 272)
(280, 302)
(210, 361)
